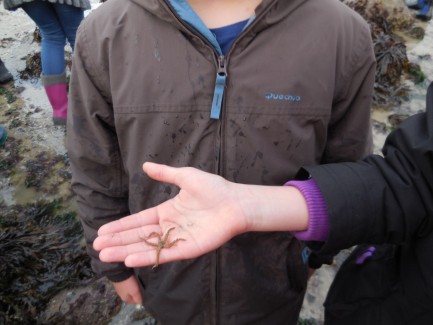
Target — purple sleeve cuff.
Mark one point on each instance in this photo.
(318, 224)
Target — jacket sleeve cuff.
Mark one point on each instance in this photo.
(318, 224)
(119, 277)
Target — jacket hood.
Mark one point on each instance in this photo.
(272, 10)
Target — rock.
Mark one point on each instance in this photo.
(417, 32)
(396, 119)
(94, 304)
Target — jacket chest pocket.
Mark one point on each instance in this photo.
(267, 149)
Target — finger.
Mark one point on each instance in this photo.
(120, 253)
(172, 254)
(125, 237)
(162, 173)
(142, 259)
(140, 219)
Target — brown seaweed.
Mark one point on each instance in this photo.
(393, 66)
(41, 253)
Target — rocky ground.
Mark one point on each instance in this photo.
(34, 185)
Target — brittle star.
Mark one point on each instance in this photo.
(162, 243)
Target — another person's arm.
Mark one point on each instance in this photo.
(383, 199)
(349, 134)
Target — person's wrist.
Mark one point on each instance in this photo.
(244, 200)
(273, 208)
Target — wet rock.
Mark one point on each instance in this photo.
(396, 119)
(380, 127)
(417, 32)
(415, 73)
(94, 304)
(133, 315)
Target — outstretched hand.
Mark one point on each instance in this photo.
(205, 214)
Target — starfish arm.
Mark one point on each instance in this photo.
(150, 243)
(158, 252)
(167, 233)
(153, 234)
(168, 245)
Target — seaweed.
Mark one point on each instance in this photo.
(390, 50)
(40, 254)
(33, 69)
(39, 170)
(10, 96)
(9, 155)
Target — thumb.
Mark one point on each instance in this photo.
(162, 173)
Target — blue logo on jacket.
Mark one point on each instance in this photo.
(286, 97)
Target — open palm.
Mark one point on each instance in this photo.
(204, 215)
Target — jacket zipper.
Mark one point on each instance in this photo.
(217, 102)
(216, 108)
(221, 77)
(220, 84)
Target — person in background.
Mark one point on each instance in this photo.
(249, 90)
(5, 75)
(425, 12)
(424, 8)
(386, 202)
(58, 21)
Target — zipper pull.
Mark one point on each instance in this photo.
(220, 85)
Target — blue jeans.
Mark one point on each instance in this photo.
(57, 22)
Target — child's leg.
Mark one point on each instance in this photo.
(52, 56)
(53, 36)
(426, 12)
(70, 17)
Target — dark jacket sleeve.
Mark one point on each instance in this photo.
(98, 175)
(382, 199)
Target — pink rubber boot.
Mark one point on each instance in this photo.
(55, 87)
